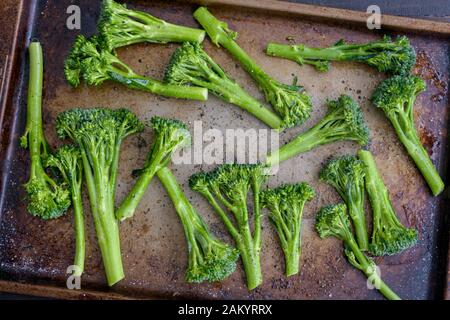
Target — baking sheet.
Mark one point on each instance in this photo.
(37, 253)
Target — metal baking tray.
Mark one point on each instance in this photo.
(34, 254)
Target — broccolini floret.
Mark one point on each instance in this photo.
(346, 175)
(285, 204)
(396, 97)
(226, 188)
(169, 135)
(209, 258)
(396, 57)
(67, 160)
(191, 65)
(291, 102)
(389, 236)
(47, 199)
(120, 26)
(99, 132)
(333, 221)
(89, 59)
(344, 121)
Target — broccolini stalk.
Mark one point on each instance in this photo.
(90, 60)
(285, 204)
(47, 199)
(226, 188)
(346, 175)
(397, 57)
(333, 221)
(389, 236)
(120, 26)
(209, 258)
(191, 65)
(169, 136)
(289, 101)
(344, 121)
(67, 160)
(99, 132)
(396, 97)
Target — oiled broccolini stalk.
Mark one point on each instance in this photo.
(333, 221)
(99, 132)
(290, 102)
(226, 188)
(389, 236)
(120, 26)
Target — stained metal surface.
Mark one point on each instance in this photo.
(154, 250)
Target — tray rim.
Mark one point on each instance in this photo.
(313, 12)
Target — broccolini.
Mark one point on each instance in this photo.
(91, 60)
(290, 101)
(47, 199)
(396, 57)
(344, 121)
(285, 204)
(389, 236)
(99, 132)
(120, 26)
(396, 97)
(226, 188)
(333, 221)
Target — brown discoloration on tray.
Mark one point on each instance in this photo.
(37, 253)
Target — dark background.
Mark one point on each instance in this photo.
(431, 9)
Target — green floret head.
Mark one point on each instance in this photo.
(235, 180)
(47, 200)
(393, 240)
(200, 182)
(217, 263)
(342, 171)
(67, 160)
(287, 196)
(398, 57)
(89, 60)
(170, 135)
(73, 63)
(346, 116)
(393, 93)
(232, 179)
(117, 27)
(290, 101)
(188, 62)
(90, 126)
(333, 221)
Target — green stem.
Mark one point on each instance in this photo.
(153, 86)
(131, 201)
(250, 259)
(359, 223)
(292, 259)
(220, 35)
(298, 53)
(183, 207)
(301, 143)
(106, 226)
(34, 129)
(420, 156)
(370, 272)
(152, 29)
(230, 91)
(80, 250)
(167, 32)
